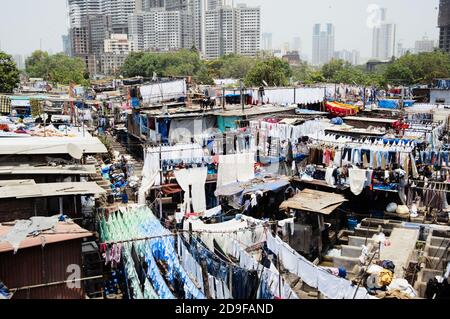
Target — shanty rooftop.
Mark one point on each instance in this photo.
(62, 231)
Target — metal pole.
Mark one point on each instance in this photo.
(161, 179)
(364, 98)
(242, 97)
(83, 116)
(223, 98)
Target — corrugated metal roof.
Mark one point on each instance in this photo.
(17, 182)
(38, 170)
(50, 145)
(51, 189)
(62, 232)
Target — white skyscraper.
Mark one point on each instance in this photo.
(156, 30)
(81, 8)
(266, 44)
(136, 29)
(248, 30)
(232, 30)
(323, 44)
(18, 58)
(220, 32)
(297, 44)
(192, 16)
(383, 44)
(424, 45)
(119, 10)
(352, 57)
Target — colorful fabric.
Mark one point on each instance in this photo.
(5, 104)
(339, 109)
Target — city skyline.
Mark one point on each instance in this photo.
(276, 20)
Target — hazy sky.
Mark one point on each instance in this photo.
(24, 23)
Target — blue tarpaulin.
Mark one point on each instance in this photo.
(228, 122)
(394, 104)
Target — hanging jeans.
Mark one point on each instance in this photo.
(365, 157)
(443, 158)
(356, 156)
(347, 154)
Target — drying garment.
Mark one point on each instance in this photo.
(329, 285)
(235, 167)
(227, 170)
(245, 166)
(150, 173)
(329, 178)
(357, 179)
(196, 179)
(24, 228)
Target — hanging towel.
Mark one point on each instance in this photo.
(329, 178)
(227, 171)
(245, 166)
(357, 178)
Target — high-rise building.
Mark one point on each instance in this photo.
(81, 8)
(424, 45)
(323, 44)
(192, 15)
(220, 32)
(18, 58)
(356, 57)
(66, 45)
(444, 25)
(156, 30)
(162, 30)
(136, 29)
(266, 44)
(352, 57)
(297, 44)
(93, 21)
(383, 41)
(248, 30)
(100, 28)
(232, 30)
(119, 10)
(119, 44)
(147, 5)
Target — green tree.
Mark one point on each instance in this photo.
(9, 74)
(37, 65)
(58, 68)
(180, 63)
(65, 70)
(235, 66)
(330, 69)
(419, 68)
(274, 71)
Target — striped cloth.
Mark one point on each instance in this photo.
(5, 104)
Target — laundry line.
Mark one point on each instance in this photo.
(193, 232)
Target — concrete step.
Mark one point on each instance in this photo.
(347, 262)
(359, 241)
(351, 251)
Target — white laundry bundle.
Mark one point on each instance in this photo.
(357, 179)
